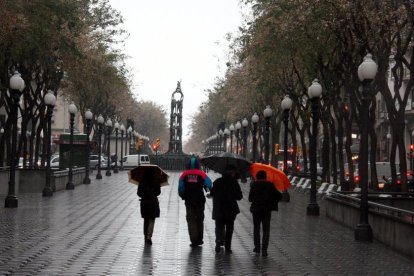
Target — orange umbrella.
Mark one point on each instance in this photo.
(276, 176)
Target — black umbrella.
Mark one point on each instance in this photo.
(219, 162)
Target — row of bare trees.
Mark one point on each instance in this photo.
(71, 48)
(284, 45)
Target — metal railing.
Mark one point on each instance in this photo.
(396, 213)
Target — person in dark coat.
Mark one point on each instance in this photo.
(264, 198)
(192, 184)
(225, 193)
(148, 190)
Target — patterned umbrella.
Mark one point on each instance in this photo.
(137, 174)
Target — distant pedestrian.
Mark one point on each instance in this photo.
(192, 184)
(225, 193)
(148, 190)
(264, 198)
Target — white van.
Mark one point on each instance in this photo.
(132, 160)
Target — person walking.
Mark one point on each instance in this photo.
(148, 191)
(225, 193)
(264, 198)
(192, 183)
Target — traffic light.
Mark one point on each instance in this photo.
(139, 144)
(277, 148)
(156, 144)
(411, 147)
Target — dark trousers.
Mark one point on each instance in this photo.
(261, 218)
(224, 232)
(148, 227)
(195, 220)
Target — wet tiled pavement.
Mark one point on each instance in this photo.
(96, 229)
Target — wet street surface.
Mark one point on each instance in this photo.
(96, 229)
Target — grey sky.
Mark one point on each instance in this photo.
(177, 40)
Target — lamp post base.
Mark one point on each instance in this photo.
(11, 202)
(47, 192)
(312, 209)
(285, 196)
(99, 176)
(70, 186)
(108, 173)
(116, 170)
(87, 180)
(363, 232)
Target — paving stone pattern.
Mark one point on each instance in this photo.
(96, 229)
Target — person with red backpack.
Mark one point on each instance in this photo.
(192, 184)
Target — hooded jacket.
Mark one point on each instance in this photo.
(192, 183)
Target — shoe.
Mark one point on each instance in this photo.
(229, 251)
(264, 253)
(256, 250)
(218, 249)
(148, 241)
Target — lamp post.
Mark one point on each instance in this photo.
(255, 120)
(108, 163)
(286, 105)
(366, 74)
(388, 145)
(411, 151)
(116, 126)
(231, 128)
(217, 147)
(88, 117)
(215, 143)
(16, 88)
(221, 133)
(50, 101)
(72, 111)
(130, 137)
(267, 113)
(226, 135)
(100, 126)
(238, 127)
(314, 92)
(245, 123)
(122, 128)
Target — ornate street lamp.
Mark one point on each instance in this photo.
(16, 88)
(100, 128)
(267, 113)
(72, 111)
(231, 129)
(217, 142)
(130, 130)
(245, 124)
(88, 118)
(286, 105)
(50, 101)
(122, 128)
(108, 163)
(226, 135)
(116, 126)
(221, 133)
(366, 74)
(314, 92)
(238, 127)
(255, 120)
(411, 151)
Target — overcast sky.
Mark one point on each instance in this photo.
(177, 40)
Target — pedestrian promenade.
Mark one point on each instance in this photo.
(96, 229)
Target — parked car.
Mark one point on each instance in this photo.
(389, 186)
(94, 160)
(132, 160)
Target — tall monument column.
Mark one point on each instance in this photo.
(176, 121)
